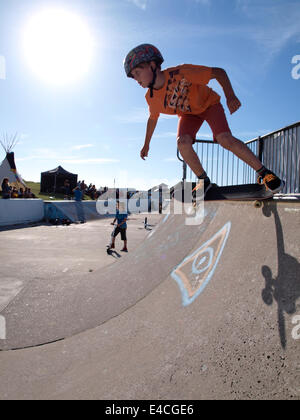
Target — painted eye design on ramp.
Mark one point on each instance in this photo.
(195, 271)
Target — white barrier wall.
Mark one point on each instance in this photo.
(18, 211)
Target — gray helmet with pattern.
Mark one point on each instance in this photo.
(143, 53)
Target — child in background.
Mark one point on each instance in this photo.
(121, 227)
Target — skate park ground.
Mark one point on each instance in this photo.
(203, 311)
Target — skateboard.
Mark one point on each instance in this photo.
(112, 252)
(245, 192)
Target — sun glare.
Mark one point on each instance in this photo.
(57, 46)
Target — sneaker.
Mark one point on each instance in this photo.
(271, 181)
(207, 185)
(124, 250)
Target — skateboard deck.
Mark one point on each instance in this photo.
(245, 192)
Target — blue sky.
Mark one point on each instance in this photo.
(95, 126)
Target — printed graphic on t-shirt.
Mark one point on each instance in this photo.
(177, 93)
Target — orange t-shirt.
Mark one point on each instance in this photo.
(184, 92)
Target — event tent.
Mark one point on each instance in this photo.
(53, 181)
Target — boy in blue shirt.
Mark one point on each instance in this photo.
(121, 228)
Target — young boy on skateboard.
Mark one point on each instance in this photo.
(121, 228)
(183, 91)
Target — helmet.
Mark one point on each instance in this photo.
(141, 54)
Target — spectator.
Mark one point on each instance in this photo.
(83, 188)
(28, 193)
(21, 193)
(92, 192)
(14, 193)
(6, 189)
(79, 207)
(67, 190)
(31, 195)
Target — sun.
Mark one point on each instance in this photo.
(58, 46)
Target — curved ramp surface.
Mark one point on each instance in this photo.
(69, 210)
(250, 238)
(230, 330)
(47, 311)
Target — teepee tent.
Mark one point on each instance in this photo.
(8, 166)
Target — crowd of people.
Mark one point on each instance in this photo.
(90, 190)
(9, 191)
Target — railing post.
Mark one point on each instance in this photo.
(184, 167)
(260, 148)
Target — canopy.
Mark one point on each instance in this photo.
(53, 181)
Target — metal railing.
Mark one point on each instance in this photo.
(279, 151)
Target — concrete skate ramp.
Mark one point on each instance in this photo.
(67, 210)
(239, 258)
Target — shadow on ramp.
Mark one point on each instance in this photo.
(284, 288)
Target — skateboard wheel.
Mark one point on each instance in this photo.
(258, 204)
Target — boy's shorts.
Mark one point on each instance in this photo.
(215, 117)
(118, 230)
